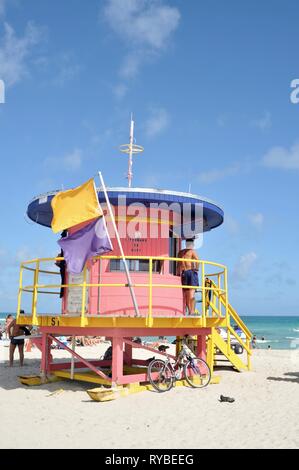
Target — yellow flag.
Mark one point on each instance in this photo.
(75, 206)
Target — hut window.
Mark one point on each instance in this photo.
(173, 251)
(135, 265)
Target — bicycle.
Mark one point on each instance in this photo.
(163, 374)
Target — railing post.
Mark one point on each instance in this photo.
(83, 298)
(150, 294)
(228, 343)
(226, 298)
(45, 357)
(210, 350)
(35, 292)
(203, 288)
(248, 355)
(20, 291)
(73, 358)
(219, 293)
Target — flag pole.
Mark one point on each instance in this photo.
(137, 314)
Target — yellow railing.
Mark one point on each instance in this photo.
(218, 288)
(232, 314)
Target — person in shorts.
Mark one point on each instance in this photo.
(8, 321)
(188, 271)
(15, 330)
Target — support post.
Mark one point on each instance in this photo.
(117, 359)
(20, 292)
(226, 298)
(203, 288)
(45, 356)
(248, 355)
(150, 294)
(128, 354)
(201, 347)
(211, 351)
(73, 357)
(35, 292)
(50, 357)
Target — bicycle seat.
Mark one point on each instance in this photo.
(163, 347)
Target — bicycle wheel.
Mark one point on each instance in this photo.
(197, 373)
(160, 375)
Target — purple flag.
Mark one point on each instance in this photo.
(91, 240)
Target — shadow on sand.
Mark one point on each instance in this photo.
(287, 379)
(9, 378)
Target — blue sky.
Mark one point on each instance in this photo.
(209, 85)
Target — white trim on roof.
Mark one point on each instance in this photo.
(141, 190)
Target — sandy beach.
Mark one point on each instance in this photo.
(265, 413)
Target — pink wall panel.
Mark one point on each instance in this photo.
(117, 300)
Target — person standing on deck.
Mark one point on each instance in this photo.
(188, 271)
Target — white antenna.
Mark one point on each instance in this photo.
(131, 149)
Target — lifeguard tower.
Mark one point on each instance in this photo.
(101, 302)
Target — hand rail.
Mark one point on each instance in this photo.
(235, 316)
(37, 288)
(240, 322)
(230, 331)
(233, 332)
(136, 257)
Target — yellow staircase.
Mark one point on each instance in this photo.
(216, 341)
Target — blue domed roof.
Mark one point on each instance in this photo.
(40, 211)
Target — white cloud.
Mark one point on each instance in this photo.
(282, 158)
(9, 260)
(120, 90)
(130, 65)
(67, 69)
(142, 22)
(22, 254)
(257, 219)
(157, 122)
(73, 161)
(263, 123)
(222, 120)
(212, 176)
(144, 26)
(15, 51)
(70, 162)
(231, 225)
(244, 265)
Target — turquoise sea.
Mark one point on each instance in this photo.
(280, 332)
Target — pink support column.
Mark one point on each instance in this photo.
(50, 357)
(45, 355)
(128, 354)
(202, 347)
(117, 359)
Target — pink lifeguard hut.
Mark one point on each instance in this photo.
(135, 290)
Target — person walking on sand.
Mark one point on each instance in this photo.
(8, 321)
(15, 330)
(188, 270)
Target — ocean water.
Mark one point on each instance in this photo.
(280, 332)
